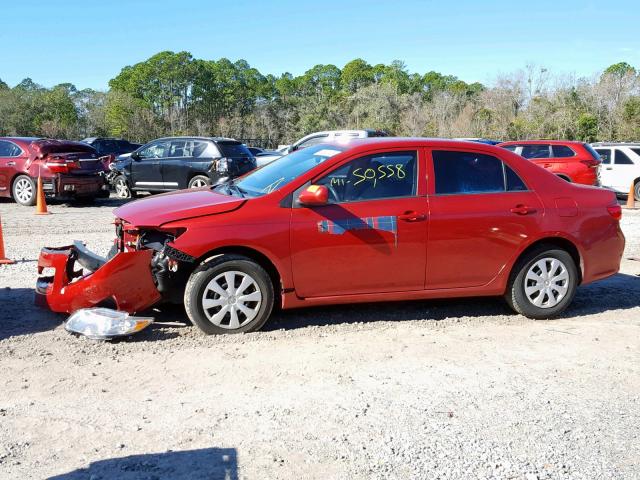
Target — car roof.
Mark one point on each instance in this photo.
(542, 142)
(410, 142)
(189, 137)
(22, 139)
(615, 144)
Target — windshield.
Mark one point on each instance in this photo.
(280, 172)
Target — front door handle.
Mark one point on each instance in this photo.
(522, 210)
(11, 164)
(412, 216)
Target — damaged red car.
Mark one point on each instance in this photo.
(69, 170)
(371, 220)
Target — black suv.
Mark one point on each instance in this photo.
(174, 163)
(111, 147)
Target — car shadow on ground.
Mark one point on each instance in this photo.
(621, 291)
(206, 463)
(19, 315)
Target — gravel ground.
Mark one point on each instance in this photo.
(439, 389)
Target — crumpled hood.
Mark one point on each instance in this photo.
(156, 210)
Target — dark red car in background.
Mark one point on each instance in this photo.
(69, 170)
(574, 162)
(372, 220)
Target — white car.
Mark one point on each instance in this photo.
(620, 166)
(321, 137)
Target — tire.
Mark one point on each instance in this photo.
(24, 190)
(122, 188)
(542, 300)
(636, 190)
(210, 281)
(199, 181)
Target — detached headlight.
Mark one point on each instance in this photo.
(222, 165)
(105, 323)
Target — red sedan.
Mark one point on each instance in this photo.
(371, 220)
(574, 162)
(68, 169)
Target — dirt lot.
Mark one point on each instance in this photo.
(447, 389)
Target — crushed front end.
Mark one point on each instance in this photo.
(141, 270)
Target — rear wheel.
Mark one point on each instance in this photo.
(636, 190)
(199, 181)
(229, 294)
(543, 283)
(24, 190)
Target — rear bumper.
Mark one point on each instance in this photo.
(124, 282)
(65, 186)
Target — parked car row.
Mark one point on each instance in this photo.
(88, 169)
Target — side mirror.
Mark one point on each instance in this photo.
(314, 195)
(135, 156)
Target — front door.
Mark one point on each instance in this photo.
(481, 214)
(9, 153)
(371, 237)
(145, 170)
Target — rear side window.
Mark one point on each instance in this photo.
(535, 151)
(621, 158)
(233, 149)
(469, 172)
(562, 151)
(604, 154)
(8, 149)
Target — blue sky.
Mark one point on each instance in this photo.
(88, 42)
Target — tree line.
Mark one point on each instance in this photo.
(176, 94)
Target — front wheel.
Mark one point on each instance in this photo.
(543, 283)
(122, 188)
(229, 294)
(636, 190)
(199, 181)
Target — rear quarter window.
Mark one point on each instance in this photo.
(233, 149)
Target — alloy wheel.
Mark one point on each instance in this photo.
(198, 183)
(23, 190)
(122, 189)
(231, 300)
(546, 282)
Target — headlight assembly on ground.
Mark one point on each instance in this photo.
(105, 323)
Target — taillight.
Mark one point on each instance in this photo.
(591, 163)
(615, 211)
(61, 165)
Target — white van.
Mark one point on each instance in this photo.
(620, 166)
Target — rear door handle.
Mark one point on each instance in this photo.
(522, 210)
(412, 216)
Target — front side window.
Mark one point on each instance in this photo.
(280, 172)
(155, 150)
(470, 172)
(605, 155)
(382, 175)
(636, 151)
(562, 151)
(622, 158)
(535, 151)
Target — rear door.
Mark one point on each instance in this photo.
(186, 159)
(9, 152)
(481, 213)
(146, 173)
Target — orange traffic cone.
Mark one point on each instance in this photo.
(3, 260)
(41, 204)
(631, 199)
